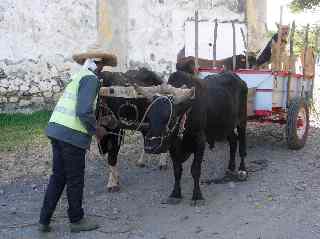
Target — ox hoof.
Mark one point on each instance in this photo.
(163, 167)
(173, 201)
(114, 189)
(198, 203)
(242, 175)
(231, 174)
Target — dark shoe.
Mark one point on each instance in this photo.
(43, 228)
(85, 224)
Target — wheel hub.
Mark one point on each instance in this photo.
(301, 123)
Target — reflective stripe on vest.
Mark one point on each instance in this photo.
(65, 111)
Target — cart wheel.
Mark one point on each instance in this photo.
(297, 123)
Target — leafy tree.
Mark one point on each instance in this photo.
(299, 38)
(300, 5)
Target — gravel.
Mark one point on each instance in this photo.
(279, 200)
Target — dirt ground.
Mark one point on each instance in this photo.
(280, 200)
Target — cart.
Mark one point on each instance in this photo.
(268, 100)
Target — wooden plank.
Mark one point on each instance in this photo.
(234, 46)
(306, 45)
(278, 46)
(316, 45)
(196, 47)
(245, 43)
(293, 29)
(215, 36)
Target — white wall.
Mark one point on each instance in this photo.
(156, 30)
(37, 40)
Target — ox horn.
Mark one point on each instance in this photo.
(148, 92)
(182, 95)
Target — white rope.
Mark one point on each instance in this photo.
(145, 115)
(149, 107)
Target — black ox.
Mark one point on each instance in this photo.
(117, 112)
(110, 144)
(217, 112)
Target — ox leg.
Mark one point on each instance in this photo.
(163, 161)
(243, 174)
(142, 160)
(233, 149)
(113, 182)
(176, 196)
(196, 171)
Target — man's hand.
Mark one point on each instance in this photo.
(100, 132)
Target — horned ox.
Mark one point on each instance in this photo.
(110, 144)
(217, 112)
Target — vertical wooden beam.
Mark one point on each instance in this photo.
(215, 36)
(316, 45)
(234, 60)
(293, 29)
(245, 43)
(306, 45)
(104, 23)
(278, 46)
(196, 40)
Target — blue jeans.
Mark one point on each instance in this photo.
(68, 169)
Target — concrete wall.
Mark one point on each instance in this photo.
(37, 39)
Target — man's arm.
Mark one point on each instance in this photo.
(88, 90)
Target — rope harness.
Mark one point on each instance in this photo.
(174, 121)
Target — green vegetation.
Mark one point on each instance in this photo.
(299, 38)
(20, 131)
(300, 5)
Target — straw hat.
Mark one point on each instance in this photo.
(98, 54)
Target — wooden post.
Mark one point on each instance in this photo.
(278, 62)
(306, 44)
(316, 45)
(215, 36)
(234, 60)
(245, 42)
(196, 40)
(293, 29)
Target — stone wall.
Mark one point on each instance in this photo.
(37, 40)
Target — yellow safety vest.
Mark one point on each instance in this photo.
(65, 111)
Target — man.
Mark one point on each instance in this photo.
(70, 130)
